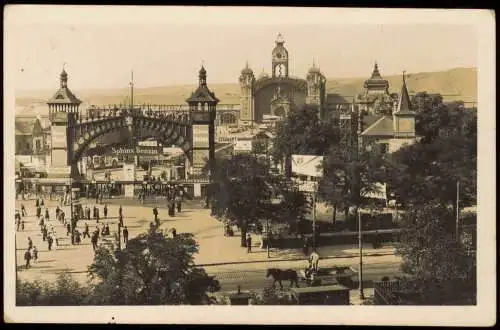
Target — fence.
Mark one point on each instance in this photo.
(384, 292)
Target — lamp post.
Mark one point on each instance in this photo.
(457, 232)
(314, 215)
(71, 212)
(360, 242)
(274, 203)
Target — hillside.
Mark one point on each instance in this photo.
(454, 84)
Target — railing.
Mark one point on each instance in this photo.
(402, 135)
(383, 292)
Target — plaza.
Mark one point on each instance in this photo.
(217, 253)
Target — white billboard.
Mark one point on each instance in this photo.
(200, 136)
(307, 165)
(58, 137)
(243, 145)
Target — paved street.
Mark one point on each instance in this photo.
(374, 268)
(234, 266)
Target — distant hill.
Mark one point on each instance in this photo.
(454, 84)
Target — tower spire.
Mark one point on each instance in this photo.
(132, 89)
(64, 77)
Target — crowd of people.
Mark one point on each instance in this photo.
(86, 213)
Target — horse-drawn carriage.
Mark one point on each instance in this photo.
(323, 276)
(329, 276)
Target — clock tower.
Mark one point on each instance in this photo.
(280, 59)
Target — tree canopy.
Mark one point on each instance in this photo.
(152, 270)
(243, 189)
(440, 269)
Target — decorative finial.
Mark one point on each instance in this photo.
(404, 78)
(314, 63)
(279, 39)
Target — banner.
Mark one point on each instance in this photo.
(307, 165)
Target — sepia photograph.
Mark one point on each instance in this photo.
(164, 164)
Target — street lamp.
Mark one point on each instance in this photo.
(360, 241)
(274, 202)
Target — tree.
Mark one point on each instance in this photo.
(242, 189)
(65, 291)
(440, 269)
(428, 171)
(152, 270)
(350, 175)
(302, 133)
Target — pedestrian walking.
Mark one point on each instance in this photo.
(37, 202)
(49, 242)
(34, 254)
(178, 202)
(42, 202)
(125, 235)
(78, 238)
(86, 231)
(22, 225)
(68, 229)
(249, 243)
(38, 211)
(120, 211)
(155, 213)
(30, 243)
(47, 213)
(94, 213)
(174, 232)
(58, 211)
(27, 258)
(63, 219)
(105, 211)
(93, 240)
(18, 221)
(44, 233)
(23, 211)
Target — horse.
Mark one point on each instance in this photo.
(283, 275)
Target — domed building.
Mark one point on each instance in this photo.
(278, 94)
(376, 99)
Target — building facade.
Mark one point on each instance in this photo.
(276, 95)
(390, 131)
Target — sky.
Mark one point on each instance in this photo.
(166, 46)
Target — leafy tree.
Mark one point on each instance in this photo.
(152, 270)
(65, 291)
(428, 171)
(352, 175)
(302, 133)
(242, 190)
(440, 269)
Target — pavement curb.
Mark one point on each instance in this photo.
(294, 259)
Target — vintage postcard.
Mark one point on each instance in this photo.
(310, 165)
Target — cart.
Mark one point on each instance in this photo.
(330, 276)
